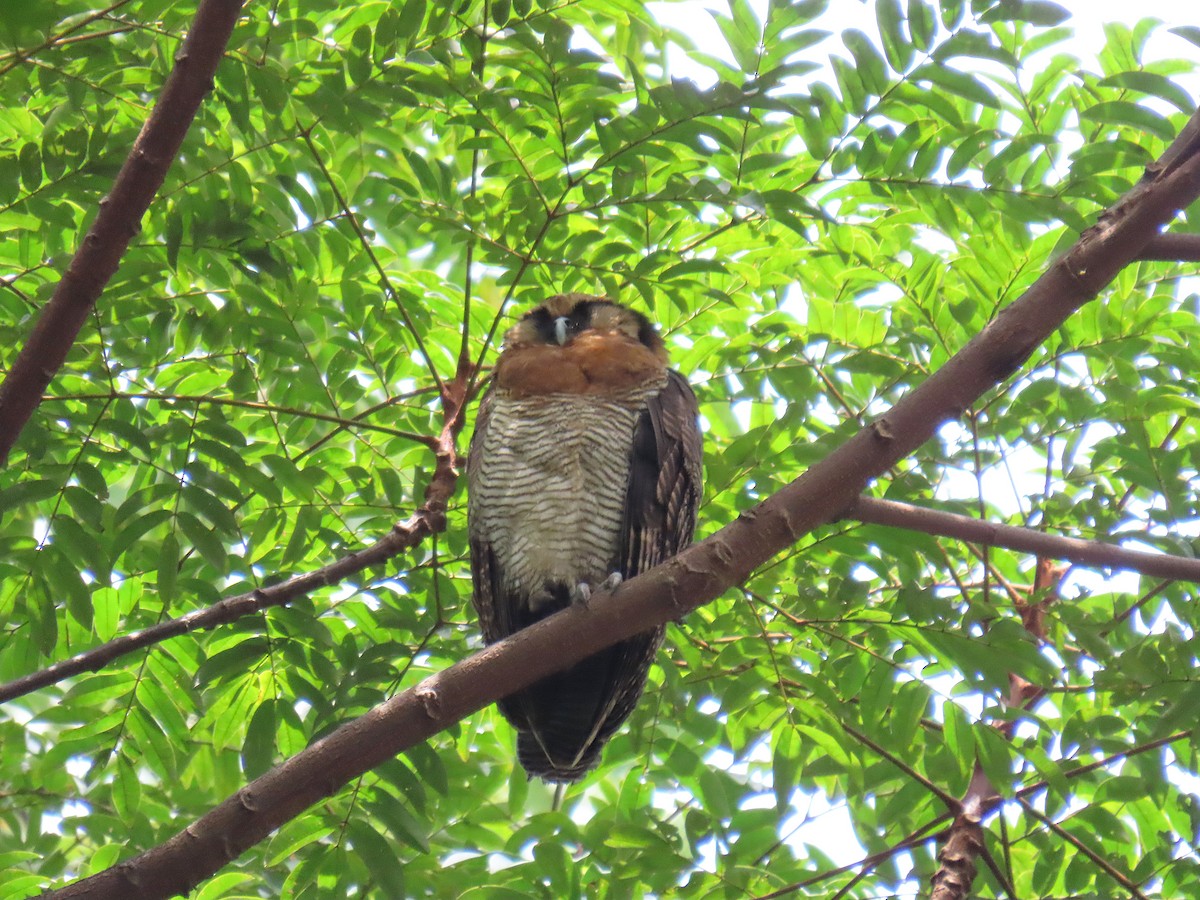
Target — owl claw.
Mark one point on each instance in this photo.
(582, 592)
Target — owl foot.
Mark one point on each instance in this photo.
(582, 592)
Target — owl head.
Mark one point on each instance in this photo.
(566, 318)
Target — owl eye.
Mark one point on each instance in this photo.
(581, 317)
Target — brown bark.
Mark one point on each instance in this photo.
(1094, 553)
(118, 220)
(1172, 248)
(695, 577)
(964, 843)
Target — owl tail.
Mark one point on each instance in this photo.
(538, 764)
(568, 718)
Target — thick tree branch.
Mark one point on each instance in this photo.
(119, 218)
(1094, 553)
(696, 576)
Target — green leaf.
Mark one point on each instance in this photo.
(889, 16)
(174, 238)
(297, 834)
(127, 790)
(402, 824)
(379, 857)
(106, 613)
(921, 24)
(959, 83)
(1036, 12)
(204, 540)
(1190, 33)
(784, 766)
(258, 749)
(411, 17)
(1155, 85)
(168, 568)
(871, 66)
(960, 738)
(1133, 115)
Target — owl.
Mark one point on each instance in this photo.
(584, 469)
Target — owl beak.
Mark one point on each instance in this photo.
(560, 330)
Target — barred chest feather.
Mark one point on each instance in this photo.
(551, 492)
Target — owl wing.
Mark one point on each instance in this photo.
(665, 479)
(665, 487)
(495, 618)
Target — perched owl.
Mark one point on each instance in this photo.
(584, 469)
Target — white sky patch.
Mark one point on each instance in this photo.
(1088, 17)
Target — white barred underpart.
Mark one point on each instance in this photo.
(550, 496)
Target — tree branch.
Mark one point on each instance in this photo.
(952, 881)
(696, 576)
(889, 513)
(118, 220)
(1172, 248)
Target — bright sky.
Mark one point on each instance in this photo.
(1088, 18)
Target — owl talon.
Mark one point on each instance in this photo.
(582, 592)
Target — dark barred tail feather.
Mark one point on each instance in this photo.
(537, 764)
(565, 720)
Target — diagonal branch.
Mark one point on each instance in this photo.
(119, 219)
(874, 511)
(696, 576)
(1097, 860)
